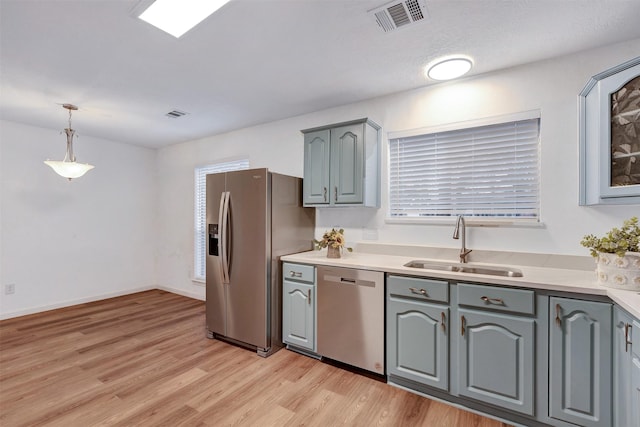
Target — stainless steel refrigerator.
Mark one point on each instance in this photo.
(253, 218)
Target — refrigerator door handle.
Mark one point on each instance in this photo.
(229, 241)
(224, 236)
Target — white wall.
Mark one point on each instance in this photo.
(550, 86)
(128, 224)
(65, 242)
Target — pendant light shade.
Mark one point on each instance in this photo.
(68, 167)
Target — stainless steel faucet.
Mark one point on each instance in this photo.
(456, 235)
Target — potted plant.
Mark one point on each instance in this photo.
(617, 255)
(334, 242)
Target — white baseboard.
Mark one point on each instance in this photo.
(181, 292)
(42, 308)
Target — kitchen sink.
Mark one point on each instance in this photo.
(491, 270)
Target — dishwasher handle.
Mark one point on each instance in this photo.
(348, 280)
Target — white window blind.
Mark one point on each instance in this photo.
(200, 198)
(485, 171)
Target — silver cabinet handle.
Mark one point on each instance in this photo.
(419, 292)
(295, 273)
(443, 319)
(462, 322)
(309, 295)
(558, 313)
(324, 193)
(488, 300)
(627, 342)
(335, 193)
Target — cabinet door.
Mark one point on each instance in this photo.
(622, 368)
(496, 359)
(634, 401)
(298, 314)
(634, 397)
(347, 164)
(316, 168)
(417, 342)
(580, 362)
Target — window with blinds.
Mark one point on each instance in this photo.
(487, 171)
(200, 210)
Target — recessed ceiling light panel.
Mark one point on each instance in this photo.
(176, 17)
(449, 68)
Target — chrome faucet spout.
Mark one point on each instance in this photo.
(460, 225)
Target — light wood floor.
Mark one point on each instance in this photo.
(144, 360)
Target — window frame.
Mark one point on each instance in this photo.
(462, 126)
(200, 211)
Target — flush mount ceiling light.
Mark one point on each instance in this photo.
(68, 167)
(176, 17)
(449, 68)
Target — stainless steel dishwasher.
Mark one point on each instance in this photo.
(351, 316)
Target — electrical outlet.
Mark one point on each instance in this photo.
(9, 289)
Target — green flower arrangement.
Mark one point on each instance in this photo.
(332, 239)
(617, 241)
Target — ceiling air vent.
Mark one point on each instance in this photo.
(397, 14)
(175, 114)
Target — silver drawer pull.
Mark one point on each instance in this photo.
(492, 300)
(419, 292)
(295, 273)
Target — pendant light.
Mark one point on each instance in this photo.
(68, 167)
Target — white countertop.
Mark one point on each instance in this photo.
(535, 277)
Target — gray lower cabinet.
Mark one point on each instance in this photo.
(622, 364)
(580, 365)
(299, 306)
(496, 346)
(634, 399)
(626, 369)
(342, 165)
(418, 330)
(528, 356)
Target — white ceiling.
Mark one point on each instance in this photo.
(256, 61)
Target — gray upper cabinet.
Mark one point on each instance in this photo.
(580, 367)
(342, 165)
(316, 167)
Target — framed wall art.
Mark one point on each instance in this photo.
(609, 136)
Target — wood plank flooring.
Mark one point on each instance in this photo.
(144, 360)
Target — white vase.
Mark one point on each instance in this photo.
(333, 252)
(619, 272)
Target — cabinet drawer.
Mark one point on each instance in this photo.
(423, 289)
(298, 272)
(496, 298)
